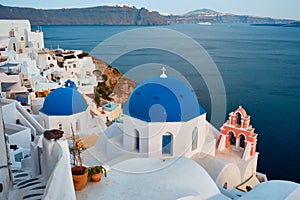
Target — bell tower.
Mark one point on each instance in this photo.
(238, 133)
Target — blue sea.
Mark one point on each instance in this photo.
(260, 68)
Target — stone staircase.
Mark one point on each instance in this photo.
(26, 187)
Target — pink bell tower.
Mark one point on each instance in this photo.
(238, 133)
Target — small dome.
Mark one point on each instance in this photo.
(163, 100)
(64, 101)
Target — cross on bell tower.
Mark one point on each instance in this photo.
(163, 74)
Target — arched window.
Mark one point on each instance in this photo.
(232, 138)
(248, 188)
(59, 125)
(242, 141)
(136, 140)
(14, 47)
(238, 118)
(22, 38)
(167, 143)
(225, 185)
(195, 139)
(77, 125)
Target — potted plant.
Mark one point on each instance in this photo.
(79, 172)
(95, 173)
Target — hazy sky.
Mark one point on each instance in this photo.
(272, 8)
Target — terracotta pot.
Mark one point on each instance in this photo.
(81, 180)
(96, 177)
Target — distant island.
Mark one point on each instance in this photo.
(128, 15)
(211, 16)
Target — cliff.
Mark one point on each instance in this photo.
(125, 15)
(115, 86)
(101, 15)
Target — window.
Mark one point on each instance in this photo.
(239, 118)
(232, 138)
(242, 141)
(195, 139)
(167, 142)
(248, 188)
(74, 65)
(59, 125)
(19, 157)
(49, 58)
(22, 38)
(136, 140)
(225, 185)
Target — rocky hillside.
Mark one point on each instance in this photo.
(101, 15)
(115, 86)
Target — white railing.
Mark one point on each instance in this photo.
(56, 188)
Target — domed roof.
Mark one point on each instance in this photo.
(163, 99)
(64, 101)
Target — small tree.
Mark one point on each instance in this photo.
(76, 150)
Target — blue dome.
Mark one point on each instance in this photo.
(163, 100)
(64, 101)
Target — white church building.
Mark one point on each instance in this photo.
(163, 119)
(65, 108)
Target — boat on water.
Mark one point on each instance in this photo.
(204, 23)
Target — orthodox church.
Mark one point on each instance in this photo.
(65, 108)
(163, 119)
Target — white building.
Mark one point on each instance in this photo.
(38, 68)
(162, 150)
(163, 119)
(65, 108)
(20, 37)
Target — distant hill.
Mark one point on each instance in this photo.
(207, 15)
(101, 15)
(125, 15)
(203, 11)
